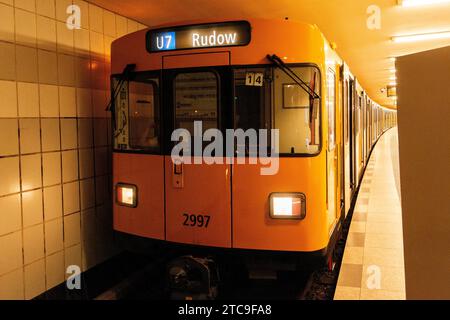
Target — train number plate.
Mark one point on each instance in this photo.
(196, 220)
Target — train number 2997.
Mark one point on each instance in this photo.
(196, 220)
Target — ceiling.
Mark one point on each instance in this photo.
(367, 52)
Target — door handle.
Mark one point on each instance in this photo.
(178, 176)
(178, 169)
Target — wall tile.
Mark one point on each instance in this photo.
(7, 61)
(32, 208)
(87, 192)
(121, 26)
(29, 5)
(9, 171)
(28, 99)
(109, 23)
(54, 269)
(86, 163)
(30, 136)
(6, 23)
(64, 38)
(26, 64)
(51, 166)
(8, 92)
(95, 18)
(101, 190)
(31, 172)
(46, 8)
(46, 33)
(49, 100)
(34, 279)
(72, 234)
(82, 72)
(54, 236)
(96, 44)
(11, 286)
(68, 134)
(84, 103)
(50, 135)
(67, 102)
(71, 196)
(33, 243)
(69, 165)
(10, 215)
(72, 256)
(9, 142)
(61, 9)
(85, 133)
(81, 42)
(25, 27)
(48, 67)
(53, 207)
(11, 257)
(66, 71)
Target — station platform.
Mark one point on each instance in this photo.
(373, 263)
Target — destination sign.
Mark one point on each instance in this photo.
(226, 34)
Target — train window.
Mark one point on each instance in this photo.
(331, 107)
(196, 99)
(299, 125)
(137, 115)
(144, 115)
(252, 102)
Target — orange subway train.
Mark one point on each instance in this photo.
(285, 193)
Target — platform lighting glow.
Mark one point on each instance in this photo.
(393, 78)
(393, 84)
(393, 71)
(422, 37)
(415, 3)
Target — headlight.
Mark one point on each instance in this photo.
(126, 195)
(287, 206)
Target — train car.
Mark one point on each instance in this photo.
(249, 74)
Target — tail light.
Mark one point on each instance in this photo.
(287, 206)
(126, 195)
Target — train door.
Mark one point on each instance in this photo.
(197, 188)
(352, 123)
(346, 120)
(332, 151)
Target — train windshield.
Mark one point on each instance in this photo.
(262, 97)
(137, 115)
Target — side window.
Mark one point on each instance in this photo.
(252, 98)
(196, 99)
(331, 107)
(137, 117)
(144, 115)
(296, 116)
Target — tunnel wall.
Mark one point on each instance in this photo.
(424, 141)
(55, 146)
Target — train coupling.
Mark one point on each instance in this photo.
(193, 278)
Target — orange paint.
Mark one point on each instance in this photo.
(147, 173)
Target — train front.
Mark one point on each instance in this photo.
(219, 136)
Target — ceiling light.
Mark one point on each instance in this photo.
(415, 3)
(422, 37)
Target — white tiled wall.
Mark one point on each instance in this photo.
(54, 142)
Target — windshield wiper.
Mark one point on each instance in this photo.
(124, 76)
(285, 68)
